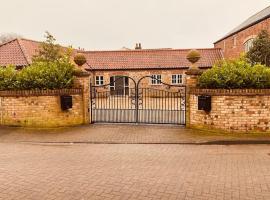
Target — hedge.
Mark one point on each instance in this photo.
(39, 75)
(235, 74)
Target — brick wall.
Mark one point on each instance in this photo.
(233, 50)
(232, 110)
(42, 108)
(137, 74)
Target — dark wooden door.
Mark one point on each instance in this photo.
(119, 85)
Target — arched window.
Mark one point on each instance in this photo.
(249, 44)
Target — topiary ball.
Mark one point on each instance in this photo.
(80, 59)
(193, 56)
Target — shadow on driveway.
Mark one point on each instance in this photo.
(128, 134)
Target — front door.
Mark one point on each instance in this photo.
(119, 85)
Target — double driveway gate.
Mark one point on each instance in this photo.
(148, 101)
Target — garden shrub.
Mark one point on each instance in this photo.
(260, 51)
(51, 69)
(39, 75)
(235, 74)
(7, 78)
(42, 75)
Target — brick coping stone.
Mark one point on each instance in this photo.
(230, 92)
(28, 93)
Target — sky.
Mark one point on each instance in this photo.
(113, 24)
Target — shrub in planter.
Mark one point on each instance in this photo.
(233, 74)
(193, 56)
(80, 59)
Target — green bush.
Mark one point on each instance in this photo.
(39, 75)
(42, 75)
(235, 74)
(7, 78)
(51, 69)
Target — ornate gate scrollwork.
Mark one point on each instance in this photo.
(138, 102)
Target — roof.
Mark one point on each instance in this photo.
(18, 52)
(258, 17)
(149, 59)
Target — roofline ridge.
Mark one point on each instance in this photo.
(5, 43)
(25, 54)
(30, 40)
(147, 50)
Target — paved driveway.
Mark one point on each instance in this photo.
(132, 171)
(120, 134)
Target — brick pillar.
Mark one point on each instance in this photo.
(82, 80)
(192, 76)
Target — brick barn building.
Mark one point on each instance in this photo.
(240, 39)
(166, 65)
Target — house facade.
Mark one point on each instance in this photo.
(165, 65)
(240, 39)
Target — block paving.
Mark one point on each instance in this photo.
(134, 171)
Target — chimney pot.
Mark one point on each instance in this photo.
(138, 46)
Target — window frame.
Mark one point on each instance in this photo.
(179, 79)
(248, 44)
(234, 41)
(99, 80)
(154, 80)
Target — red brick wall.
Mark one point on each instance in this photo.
(233, 51)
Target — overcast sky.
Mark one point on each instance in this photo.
(112, 24)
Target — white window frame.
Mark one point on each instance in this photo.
(234, 41)
(154, 80)
(99, 80)
(112, 83)
(177, 79)
(248, 44)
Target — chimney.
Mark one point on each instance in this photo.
(138, 46)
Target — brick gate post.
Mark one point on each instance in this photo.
(192, 75)
(82, 80)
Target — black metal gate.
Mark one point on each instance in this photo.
(126, 101)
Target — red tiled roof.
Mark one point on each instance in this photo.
(149, 59)
(19, 52)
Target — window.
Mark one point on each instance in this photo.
(234, 42)
(112, 83)
(156, 79)
(177, 79)
(248, 44)
(99, 80)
